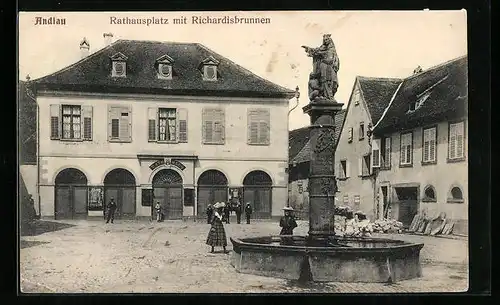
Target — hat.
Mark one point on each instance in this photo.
(219, 205)
(248, 203)
(287, 209)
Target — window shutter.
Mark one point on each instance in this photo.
(459, 129)
(426, 147)
(253, 127)
(347, 169)
(387, 158)
(339, 170)
(152, 124)
(207, 126)
(129, 124)
(453, 141)
(360, 166)
(218, 128)
(350, 134)
(111, 117)
(266, 127)
(87, 122)
(125, 123)
(376, 153)
(55, 122)
(432, 146)
(403, 150)
(183, 129)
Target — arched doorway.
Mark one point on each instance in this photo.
(120, 184)
(167, 189)
(257, 189)
(71, 195)
(212, 188)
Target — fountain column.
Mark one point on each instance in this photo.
(322, 183)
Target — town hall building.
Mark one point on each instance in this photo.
(146, 122)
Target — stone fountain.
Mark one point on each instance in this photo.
(322, 256)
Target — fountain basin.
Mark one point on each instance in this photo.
(344, 259)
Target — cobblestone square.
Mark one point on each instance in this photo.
(171, 257)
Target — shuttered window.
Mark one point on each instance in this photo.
(342, 171)
(456, 141)
(386, 153)
(429, 145)
(167, 125)
(259, 127)
(406, 149)
(120, 123)
(70, 122)
(55, 129)
(349, 135)
(213, 126)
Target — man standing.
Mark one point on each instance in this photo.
(227, 212)
(111, 208)
(238, 211)
(248, 212)
(159, 212)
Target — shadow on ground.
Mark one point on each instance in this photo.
(31, 243)
(38, 227)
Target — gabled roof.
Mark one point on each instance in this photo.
(93, 73)
(302, 153)
(447, 98)
(377, 93)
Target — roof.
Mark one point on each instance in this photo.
(93, 73)
(27, 126)
(446, 86)
(302, 136)
(377, 93)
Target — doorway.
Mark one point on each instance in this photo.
(168, 191)
(120, 185)
(257, 189)
(212, 188)
(407, 204)
(71, 195)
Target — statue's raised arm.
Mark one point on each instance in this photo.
(325, 67)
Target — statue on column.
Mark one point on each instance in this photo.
(323, 81)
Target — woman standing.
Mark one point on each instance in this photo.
(217, 234)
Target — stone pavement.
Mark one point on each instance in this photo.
(171, 257)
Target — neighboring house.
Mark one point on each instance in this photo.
(299, 156)
(145, 121)
(27, 143)
(419, 149)
(369, 98)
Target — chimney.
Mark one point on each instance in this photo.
(84, 48)
(108, 39)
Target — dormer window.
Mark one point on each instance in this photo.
(119, 68)
(210, 65)
(419, 102)
(164, 67)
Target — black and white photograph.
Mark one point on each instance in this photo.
(243, 152)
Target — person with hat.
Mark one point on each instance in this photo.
(237, 209)
(110, 210)
(217, 235)
(159, 212)
(287, 222)
(248, 212)
(227, 212)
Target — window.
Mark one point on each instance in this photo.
(343, 172)
(119, 65)
(346, 199)
(455, 195)
(456, 141)
(406, 149)
(376, 153)
(71, 128)
(168, 125)
(429, 145)
(361, 131)
(213, 126)
(164, 65)
(259, 127)
(349, 136)
(120, 124)
(385, 154)
(76, 122)
(356, 97)
(429, 194)
(364, 165)
(357, 201)
(210, 68)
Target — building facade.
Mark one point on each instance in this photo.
(356, 186)
(420, 147)
(146, 122)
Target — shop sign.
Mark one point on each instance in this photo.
(167, 161)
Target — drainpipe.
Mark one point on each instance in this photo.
(373, 176)
(297, 95)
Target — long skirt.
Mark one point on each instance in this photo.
(217, 235)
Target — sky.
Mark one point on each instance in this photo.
(368, 43)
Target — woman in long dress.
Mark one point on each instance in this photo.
(217, 235)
